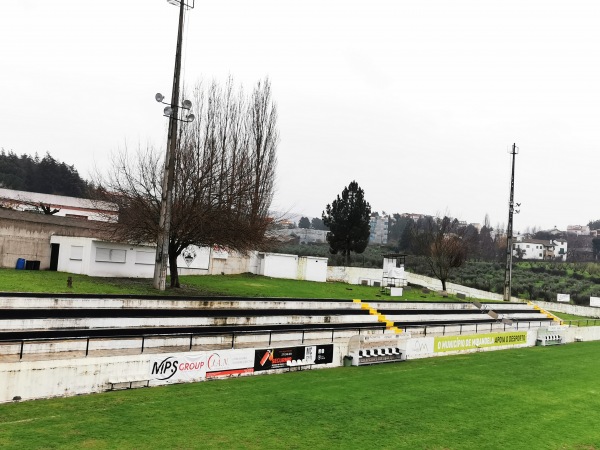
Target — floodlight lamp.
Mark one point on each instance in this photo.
(190, 118)
(159, 97)
(173, 2)
(187, 104)
(168, 111)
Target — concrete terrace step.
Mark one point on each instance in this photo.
(59, 313)
(481, 320)
(136, 322)
(162, 303)
(141, 331)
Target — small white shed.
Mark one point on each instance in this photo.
(312, 268)
(278, 265)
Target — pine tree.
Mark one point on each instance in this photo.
(348, 221)
(304, 222)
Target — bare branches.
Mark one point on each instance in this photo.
(440, 241)
(224, 175)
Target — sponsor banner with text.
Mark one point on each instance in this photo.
(179, 367)
(277, 358)
(227, 363)
(474, 341)
(197, 366)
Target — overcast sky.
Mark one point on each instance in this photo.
(418, 101)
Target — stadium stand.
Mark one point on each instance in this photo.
(33, 325)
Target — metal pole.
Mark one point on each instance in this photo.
(164, 224)
(509, 232)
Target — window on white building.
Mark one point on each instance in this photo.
(76, 252)
(142, 257)
(110, 255)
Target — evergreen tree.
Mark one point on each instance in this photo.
(317, 224)
(46, 175)
(304, 222)
(348, 221)
(406, 239)
(397, 228)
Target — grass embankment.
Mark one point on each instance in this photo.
(245, 285)
(533, 398)
(577, 321)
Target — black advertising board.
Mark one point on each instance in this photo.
(277, 358)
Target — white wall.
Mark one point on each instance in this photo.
(566, 308)
(278, 265)
(312, 268)
(353, 275)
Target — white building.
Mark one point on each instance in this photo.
(79, 208)
(99, 258)
(578, 230)
(537, 249)
(304, 235)
(379, 228)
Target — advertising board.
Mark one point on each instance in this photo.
(277, 358)
(475, 341)
(182, 367)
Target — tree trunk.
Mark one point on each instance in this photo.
(173, 269)
(443, 284)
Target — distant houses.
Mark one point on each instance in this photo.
(380, 225)
(540, 249)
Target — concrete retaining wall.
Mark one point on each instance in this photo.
(585, 311)
(436, 285)
(354, 275)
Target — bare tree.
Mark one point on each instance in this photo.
(224, 176)
(439, 240)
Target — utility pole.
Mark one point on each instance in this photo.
(509, 231)
(164, 224)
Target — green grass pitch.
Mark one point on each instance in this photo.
(530, 398)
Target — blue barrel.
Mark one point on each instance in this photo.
(21, 263)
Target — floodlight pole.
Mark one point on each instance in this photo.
(509, 231)
(164, 224)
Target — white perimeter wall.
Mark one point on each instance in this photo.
(354, 275)
(566, 308)
(65, 377)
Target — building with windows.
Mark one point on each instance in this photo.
(380, 225)
(578, 230)
(543, 250)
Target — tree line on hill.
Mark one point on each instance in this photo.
(314, 224)
(43, 175)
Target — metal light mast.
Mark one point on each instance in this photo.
(164, 225)
(509, 231)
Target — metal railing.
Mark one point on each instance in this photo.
(233, 337)
(582, 323)
(230, 335)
